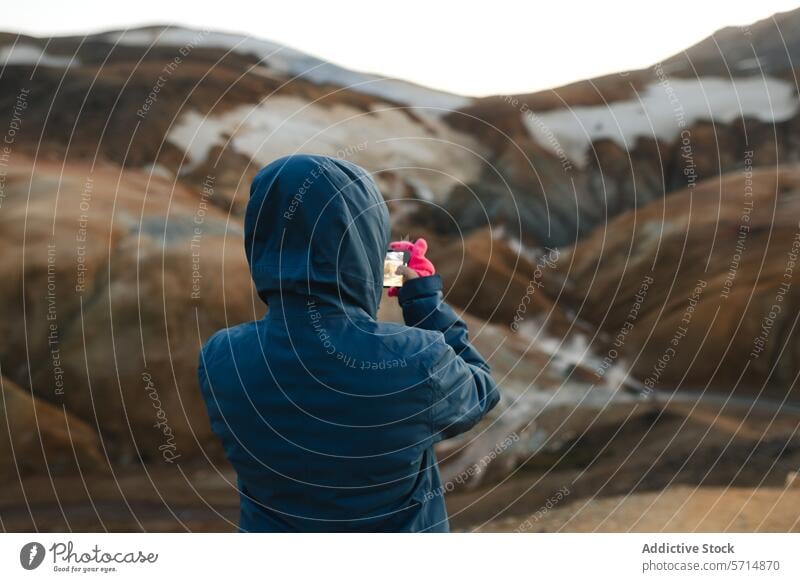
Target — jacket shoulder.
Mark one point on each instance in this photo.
(222, 341)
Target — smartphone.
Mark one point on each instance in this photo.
(393, 260)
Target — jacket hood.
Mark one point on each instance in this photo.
(317, 226)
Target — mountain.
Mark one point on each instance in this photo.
(550, 166)
(768, 47)
(564, 161)
(191, 104)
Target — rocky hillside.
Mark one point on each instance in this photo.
(564, 161)
(189, 104)
(698, 290)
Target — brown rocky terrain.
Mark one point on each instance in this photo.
(699, 289)
(111, 278)
(38, 434)
(688, 465)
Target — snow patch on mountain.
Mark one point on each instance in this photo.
(662, 111)
(30, 54)
(379, 140)
(292, 62)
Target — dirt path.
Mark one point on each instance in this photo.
(678, 509)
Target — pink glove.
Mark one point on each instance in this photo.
(417, 262)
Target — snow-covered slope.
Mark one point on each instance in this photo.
(382, 140)
(29, 54)
(661, 111)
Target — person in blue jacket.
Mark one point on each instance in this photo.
(328, 416)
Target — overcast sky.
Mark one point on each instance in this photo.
(472, 48)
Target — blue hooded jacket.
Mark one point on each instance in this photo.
(327, 415)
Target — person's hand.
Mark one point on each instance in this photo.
(418, 264)
(407, 274)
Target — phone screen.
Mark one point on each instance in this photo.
(393, 260)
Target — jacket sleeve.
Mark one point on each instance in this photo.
(463, 388)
